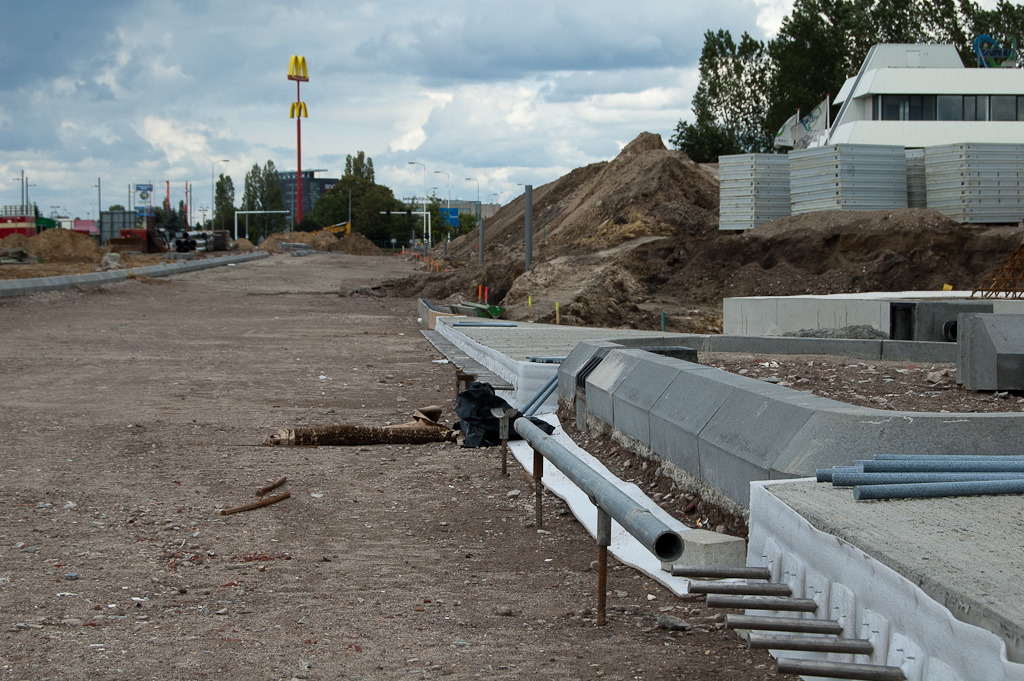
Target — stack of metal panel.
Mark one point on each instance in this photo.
(976, 183)
(848, 177)
(753, 189)
(916, 186)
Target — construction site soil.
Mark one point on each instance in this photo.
(132, 415)
(619, 243)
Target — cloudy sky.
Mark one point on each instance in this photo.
(504, 92)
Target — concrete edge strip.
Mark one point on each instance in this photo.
(17, 287)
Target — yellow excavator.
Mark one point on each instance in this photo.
(340, 230)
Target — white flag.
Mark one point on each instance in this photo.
(812, 126)
(784, 137)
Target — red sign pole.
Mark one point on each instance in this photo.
(297, 72)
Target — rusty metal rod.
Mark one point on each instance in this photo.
(259, 504)
(538, 474)
(794, 624)
(720, 572)
(604, 540)
(758, 589)
(262, 491)
(761, 603)
(840, 670)
(817, 644)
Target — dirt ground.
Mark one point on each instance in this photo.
(130, 416)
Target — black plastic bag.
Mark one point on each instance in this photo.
(479, 426)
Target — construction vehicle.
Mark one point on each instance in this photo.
(340, 230)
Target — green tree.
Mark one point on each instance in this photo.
(116, 207)
(224, 203)
(368, 203)
(262, 192)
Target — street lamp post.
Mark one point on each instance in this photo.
(449, 186)
(213, 194)
(478, 208)
(426, 234)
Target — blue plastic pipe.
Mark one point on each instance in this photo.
(935, 466)
(853, 479)
(926, 490)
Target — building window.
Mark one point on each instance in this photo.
(1020, 107)
(950, 107)
(982, 108)
(895, 107)
(970, 107)
(1004, 108)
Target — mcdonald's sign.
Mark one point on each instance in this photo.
(299, 109)
(297, 68)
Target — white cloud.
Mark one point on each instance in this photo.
(176, 140)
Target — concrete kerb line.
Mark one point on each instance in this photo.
(16, 287)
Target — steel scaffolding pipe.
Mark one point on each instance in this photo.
(755, 589)
(653, 534)
(544, 396)
(840, 670)
(926, 490)
(854, 479)
(720, 572)
(780, 603)
(795, 624)
(817, 644)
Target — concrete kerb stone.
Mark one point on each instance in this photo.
(505, 367)
(605, 380)
(639, 390)
(573, 363)
(17, 287)
(991, 353)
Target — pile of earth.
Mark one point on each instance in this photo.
(622, 243)
(243, 245)
(353, 244)
(57, 245)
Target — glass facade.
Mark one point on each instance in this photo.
(947, 108)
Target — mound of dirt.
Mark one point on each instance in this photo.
(355, 244)
(636, 237)
(63, 245)
(14, 241)
(243, 245)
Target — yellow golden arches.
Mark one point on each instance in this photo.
(297, 68)
(299, 109)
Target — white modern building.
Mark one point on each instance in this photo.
(921, 96)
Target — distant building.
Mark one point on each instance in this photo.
(921, 96)
(312, 189)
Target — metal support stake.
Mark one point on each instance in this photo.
(538, 474)
(504, 416)
(604, 539)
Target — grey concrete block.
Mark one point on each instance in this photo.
(919, 351)
(930, 320)
(701, 547)
(573, 363)
(743, 439)
(861, 349)
(605, 379)
(640, 390)
(991, 351)
(684, 408)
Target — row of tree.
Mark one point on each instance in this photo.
(748, 88)
(372, 207)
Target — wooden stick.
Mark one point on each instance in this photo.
(272, 486)
(259, 504)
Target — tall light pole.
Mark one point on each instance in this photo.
(426, 236)
(22, 181)
(441, 172)
(473, 179)
(213, 195)
(297, 72)
(99, 202)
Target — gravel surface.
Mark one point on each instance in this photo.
(131, 415)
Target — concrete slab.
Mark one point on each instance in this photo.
(702, 547)
(991, 352)
(963, 552)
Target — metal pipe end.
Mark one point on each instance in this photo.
(668, 547)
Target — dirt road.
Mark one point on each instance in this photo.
(128, 416)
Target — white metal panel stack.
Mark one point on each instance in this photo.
(848, 177)
(977, 183)
(916, 185)
(752, 189)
